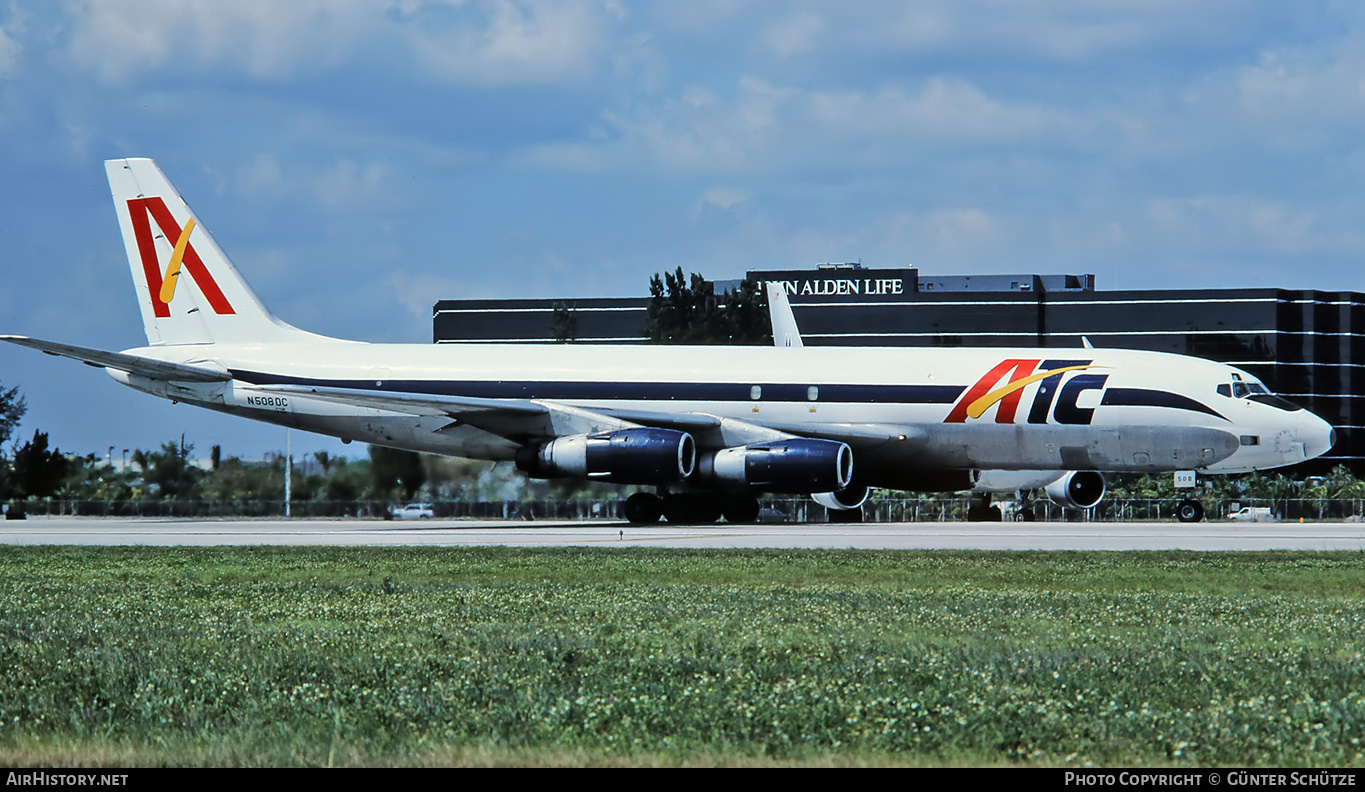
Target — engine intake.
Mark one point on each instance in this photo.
(800, 465)
(1079, 489)
(626, 456)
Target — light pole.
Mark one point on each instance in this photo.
(288, 466)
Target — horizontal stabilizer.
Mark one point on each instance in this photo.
(133, 364)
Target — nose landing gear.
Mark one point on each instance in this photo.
(1189, 511)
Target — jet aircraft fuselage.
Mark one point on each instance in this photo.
(701, 425)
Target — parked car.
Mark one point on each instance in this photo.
(413, 511)
(1253, 514)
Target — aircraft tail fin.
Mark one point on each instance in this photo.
(188, 290)
(785, 331)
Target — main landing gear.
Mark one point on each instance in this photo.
(981, 510)
(643, 508)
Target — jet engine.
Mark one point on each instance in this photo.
(801, 465)
(1079, 489)
(846, 499)
(626, 456)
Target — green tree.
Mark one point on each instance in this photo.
(564, 324)
(171, 472)
(394, 469)
(39, 472)
(12, 409)
(746, 315)
(235, 480)
(89, 478)
(686, 311)
(347, 481)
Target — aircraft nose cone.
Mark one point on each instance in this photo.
(1317, 435)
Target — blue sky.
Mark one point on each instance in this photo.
(361, 160)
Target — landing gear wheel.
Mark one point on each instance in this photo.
(643, 508)
(1189, 511)
(846, 515)
(691, 508)
(981, 510)
(740, 509)
(984, 514)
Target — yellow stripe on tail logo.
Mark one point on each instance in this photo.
(173, 268)
(184, 259)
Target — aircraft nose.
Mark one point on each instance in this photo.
(1317, 435)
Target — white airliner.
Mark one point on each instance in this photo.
(706, 427)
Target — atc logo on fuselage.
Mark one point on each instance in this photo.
(142, 211)
(1053, 396)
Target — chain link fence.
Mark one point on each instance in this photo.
(774, 510)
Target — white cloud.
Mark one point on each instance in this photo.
(795, 34)
(1061, 30)
(418, 291)
(725, 197)
(518, 42)
(945, 109)
(720, 197)
(261, 178)
(764, 127)
(347, 184)
(9, 55)
(489, 42)
(117, 40)
(1305, 89)
(696, 132)
(946, 235)
(1239, 221)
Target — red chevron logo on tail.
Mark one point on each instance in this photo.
(162, 288)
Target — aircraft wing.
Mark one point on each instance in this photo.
(858, 435)
(133, 364)
(522, 420)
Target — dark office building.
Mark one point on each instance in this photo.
(1301, 343)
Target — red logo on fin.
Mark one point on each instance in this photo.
(140, 209)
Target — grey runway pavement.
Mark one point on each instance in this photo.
(872, 536)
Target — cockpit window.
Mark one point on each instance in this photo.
(1255, 391)
(1274, 401)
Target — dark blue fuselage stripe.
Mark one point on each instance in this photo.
(697, 391)
(1141, 397)
(628, 391)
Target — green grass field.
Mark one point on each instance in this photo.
(303, 656)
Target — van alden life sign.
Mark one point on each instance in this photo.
(843, 287)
